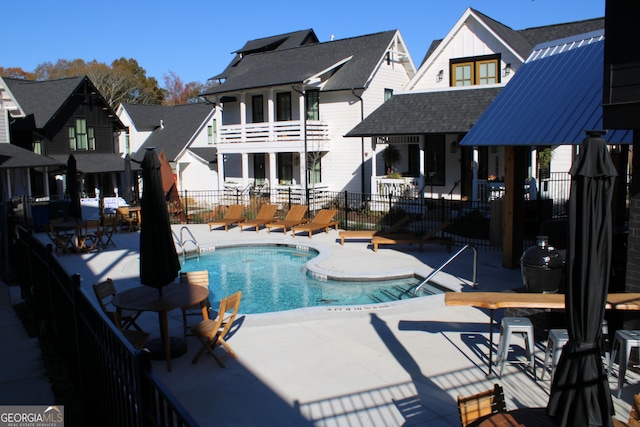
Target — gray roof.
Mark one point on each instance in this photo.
(534, 109)
(205, 153)
(92, 162)
(12, 157)
(291, 66)
(180, 123)
(32, 94)
(448, 111)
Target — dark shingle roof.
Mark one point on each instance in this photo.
(449, 111)
(31, 95)
(92, 162)
(12, 156)
(205, 153)
(548, 33)
(180, 123)
(290, 66)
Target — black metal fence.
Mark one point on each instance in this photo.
(115, 381)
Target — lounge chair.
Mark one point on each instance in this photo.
(265, 215)
(475, 407)
(323, 219)
(234, 215)
(368, 234)
(294, 217)
(400, 238)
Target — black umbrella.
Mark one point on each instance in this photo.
(128, 194)
(159, 264)
(74, 210)
(580, 394)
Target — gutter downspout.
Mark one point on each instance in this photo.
(362, 168)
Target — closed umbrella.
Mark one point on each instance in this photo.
(159, 264)
(128, 193)
(580, 394)
(74, 210)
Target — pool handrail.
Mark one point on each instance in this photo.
(191, 239)
(454, 256)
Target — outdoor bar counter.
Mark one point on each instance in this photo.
(497, 300)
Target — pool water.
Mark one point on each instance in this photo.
(274, 278)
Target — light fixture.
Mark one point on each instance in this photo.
(507, 69)
(440, 76)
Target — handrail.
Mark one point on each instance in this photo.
(439, 269)
(191, 239)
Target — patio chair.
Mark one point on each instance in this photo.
(62, 242)
(137, 338)
(105, 291)
(212, 332)
(473, 408)
(265, 215)
(126, 219)
(109, 225)
(89, 235)
(368, 234)
(199, 278)
(323, 220)
(294, 217)
(234, 215)
(430, 236)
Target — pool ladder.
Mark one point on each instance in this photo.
(439, 269)
(182, 242)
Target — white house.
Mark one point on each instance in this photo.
(458, 79)
(185, 133)
(287, 102)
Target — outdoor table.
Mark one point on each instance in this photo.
(175, 295)
(496, 300)
(137, 212)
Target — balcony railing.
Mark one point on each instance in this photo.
(400, 187)
(289, 131)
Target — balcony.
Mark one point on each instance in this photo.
(272, 134)
(399, 187)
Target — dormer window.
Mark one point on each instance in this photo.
(482, 70)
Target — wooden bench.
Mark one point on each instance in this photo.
(409, 239)
(356, 234)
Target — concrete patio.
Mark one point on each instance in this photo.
(392, 364)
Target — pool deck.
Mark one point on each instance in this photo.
(400, 363)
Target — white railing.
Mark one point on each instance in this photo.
(401, 187)
(317, 132)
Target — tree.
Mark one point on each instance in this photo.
(177, 93)
(15, 73)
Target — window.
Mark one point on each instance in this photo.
(82, 137)
(314, 165)
(475, 71)
(285, 168)
(313, 104)
(127, 142)
(283, 106)
(435, 160)
(388, 93)
(257, 109)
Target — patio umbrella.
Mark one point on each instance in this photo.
(128, 194)
(74, 210)
(159, 264)
(580, 394)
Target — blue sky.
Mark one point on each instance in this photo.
(195, 38)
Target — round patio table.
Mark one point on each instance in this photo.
(175, 295)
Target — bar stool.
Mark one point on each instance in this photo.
(624, 340)
(515, 325)
(557, 339)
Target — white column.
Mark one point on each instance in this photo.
(474, 185)
(245, 170)
(273, 181)
(374, 164)
(271, 114)
(421, 180)
(220, 157)
(303, 138)
(243, 117)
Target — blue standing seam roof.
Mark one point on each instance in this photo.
(550, 101)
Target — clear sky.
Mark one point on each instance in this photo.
(196, 38)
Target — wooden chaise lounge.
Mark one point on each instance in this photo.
(403, 238)
(265, 215)
(323, 220)
(234, 215)
(368, 234)
(294, 217)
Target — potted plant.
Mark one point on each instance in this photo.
(391, 156)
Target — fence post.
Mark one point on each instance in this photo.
(186, 207)
(346, 204)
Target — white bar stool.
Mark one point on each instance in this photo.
(624, 340)
(515, 325)
(557, 339)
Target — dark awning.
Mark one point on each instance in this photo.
(13, 157)
(208, 154)
(550, 101)
(97, 162)
(448, 111)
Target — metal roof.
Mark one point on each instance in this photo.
(550, 101)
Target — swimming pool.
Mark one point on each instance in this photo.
(274, 278)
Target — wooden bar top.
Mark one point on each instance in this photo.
(495, 300)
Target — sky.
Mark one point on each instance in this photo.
(195, 38)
